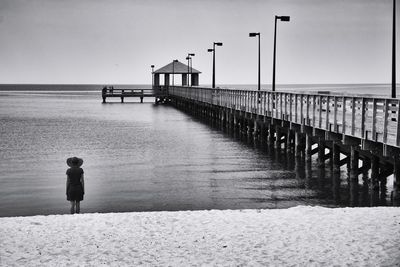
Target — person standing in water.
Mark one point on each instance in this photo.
(75, 183)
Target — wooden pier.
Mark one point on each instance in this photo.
(346, 130)
(158, 93)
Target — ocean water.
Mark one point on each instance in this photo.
(139, 157)
(381, 90)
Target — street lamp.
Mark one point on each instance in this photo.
(281, 18)
(254, 34)
(191, 55)
(173, 71)
(394, 52)
(152, 76)
(189, 59)
(213, 50)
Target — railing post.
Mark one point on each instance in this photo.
(301, 110)
(385, 123)
(320, 112)
(313, 116)
(286, 112)
(373, 137)
(335, 110)
(398, 124)
(353, 115)
(362, 126)
(308, 111)
(290, 106)
(327, 114)
(344, 115)
(295, 108)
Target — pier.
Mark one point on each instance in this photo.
(359, 132)
(362, 133)
(158, 93)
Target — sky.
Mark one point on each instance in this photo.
(116, 41)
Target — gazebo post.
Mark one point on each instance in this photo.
(195, 79)
(166, 80)
(156, 80)
(184, 79)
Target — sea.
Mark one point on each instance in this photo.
(147, 157)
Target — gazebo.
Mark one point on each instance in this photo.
(176, 67)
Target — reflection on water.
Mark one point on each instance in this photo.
(332, 183)
(143, 157)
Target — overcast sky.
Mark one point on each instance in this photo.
(104, 41)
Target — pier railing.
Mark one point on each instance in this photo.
(369, 118)
(158, 92)
(108, 92)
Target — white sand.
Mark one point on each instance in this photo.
(311, 236)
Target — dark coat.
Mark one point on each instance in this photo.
(75, 187)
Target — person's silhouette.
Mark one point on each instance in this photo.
(75, 184)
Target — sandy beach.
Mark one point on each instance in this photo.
(299, 236)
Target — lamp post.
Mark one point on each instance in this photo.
(173, 71)
(191, 55)
(254, 34)
(213, 50)
(281, 18)
(152, 76)
(394, 52)
(189, 59)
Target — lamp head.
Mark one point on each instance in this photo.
(152, 66)
(284, 18)
(175, 60)
(187, 58)
(218, 44)
(191, 54)
(210, 50)
(254, 34)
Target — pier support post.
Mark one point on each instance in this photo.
(336, 171)
(235, 120)
(271, 133)
(288, 140)
(321, 152)
(122, 99)
(263, 135)
(374, 180)
(298, 144)
(255, 130)
(354, 158)
(104, 99)
(248, 127)
(308, 174)
(365, 177)
(308, 147)
(396, 182)
(278, 138)
(300, 169)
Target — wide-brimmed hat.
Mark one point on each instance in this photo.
(74, 162)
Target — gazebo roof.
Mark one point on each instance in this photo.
(176, 68)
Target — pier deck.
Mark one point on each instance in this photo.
(158, 93)
(367, 118)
